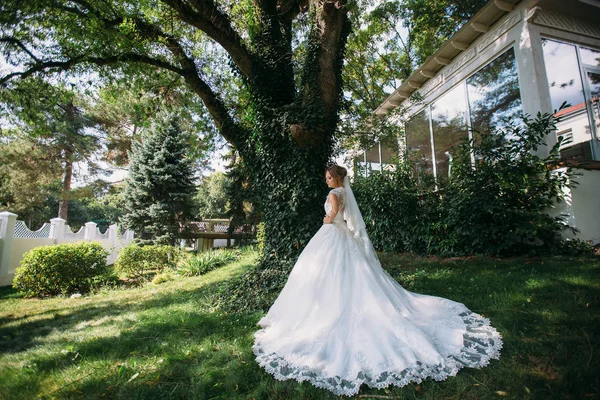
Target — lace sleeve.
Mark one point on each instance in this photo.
(339, 194)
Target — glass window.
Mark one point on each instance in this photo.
(389, 152)
(565, 84)
(373, 154)
(418, 142)
(590, 57)
(562, 69)
(594, 82)
(372, 163)
(448, 117)
(494, 95)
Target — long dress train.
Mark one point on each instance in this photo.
(341, 321)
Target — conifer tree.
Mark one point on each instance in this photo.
(160, 184)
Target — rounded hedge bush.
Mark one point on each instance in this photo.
(138, 262)
(60, 270)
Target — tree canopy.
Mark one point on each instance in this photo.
(52, 120)
(431, 23)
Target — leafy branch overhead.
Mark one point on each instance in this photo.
(173, 35)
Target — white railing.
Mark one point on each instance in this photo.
(16, 239)
(69, 234)
(22, 231)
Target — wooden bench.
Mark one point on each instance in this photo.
(203, 233)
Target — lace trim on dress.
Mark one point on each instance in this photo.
(481, 343)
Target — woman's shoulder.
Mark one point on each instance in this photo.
(338, 191)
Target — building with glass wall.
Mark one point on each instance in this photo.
(513, 57)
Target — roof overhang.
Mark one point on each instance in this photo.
(478, 25)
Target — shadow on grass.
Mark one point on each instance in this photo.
(170, 351)
(18, 335)
(171, 354)
(7, 292)
(545, 308)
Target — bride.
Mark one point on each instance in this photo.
(341, 320)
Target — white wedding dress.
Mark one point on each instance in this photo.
(341, 321)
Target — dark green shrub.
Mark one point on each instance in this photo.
(500, 206)
(401, 214)
(60, 270)
(140, 263)
(496, 207)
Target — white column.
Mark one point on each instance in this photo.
(57, 230)
(90, 231)
(533, 80)
(113, 234)
(7, 232)
(115, 244)
(127, 237)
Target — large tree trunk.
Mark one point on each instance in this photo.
(292, 139)
(288, 179)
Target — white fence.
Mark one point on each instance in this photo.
(16, 239)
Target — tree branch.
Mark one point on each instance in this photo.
(92, 10)
(42, 66)
(226, 125)
(360, 76)
(289, 9)
(190, 73)
(133, 57)
(331, 30)
(206, 16)
(18, 43)
(38, 67)
(186, 68)
(215, 106)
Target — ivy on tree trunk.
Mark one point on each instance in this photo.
(286, 135)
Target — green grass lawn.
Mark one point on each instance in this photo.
(170, 341)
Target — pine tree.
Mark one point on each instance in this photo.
(160, 184)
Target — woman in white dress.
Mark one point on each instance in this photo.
(341, 320)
